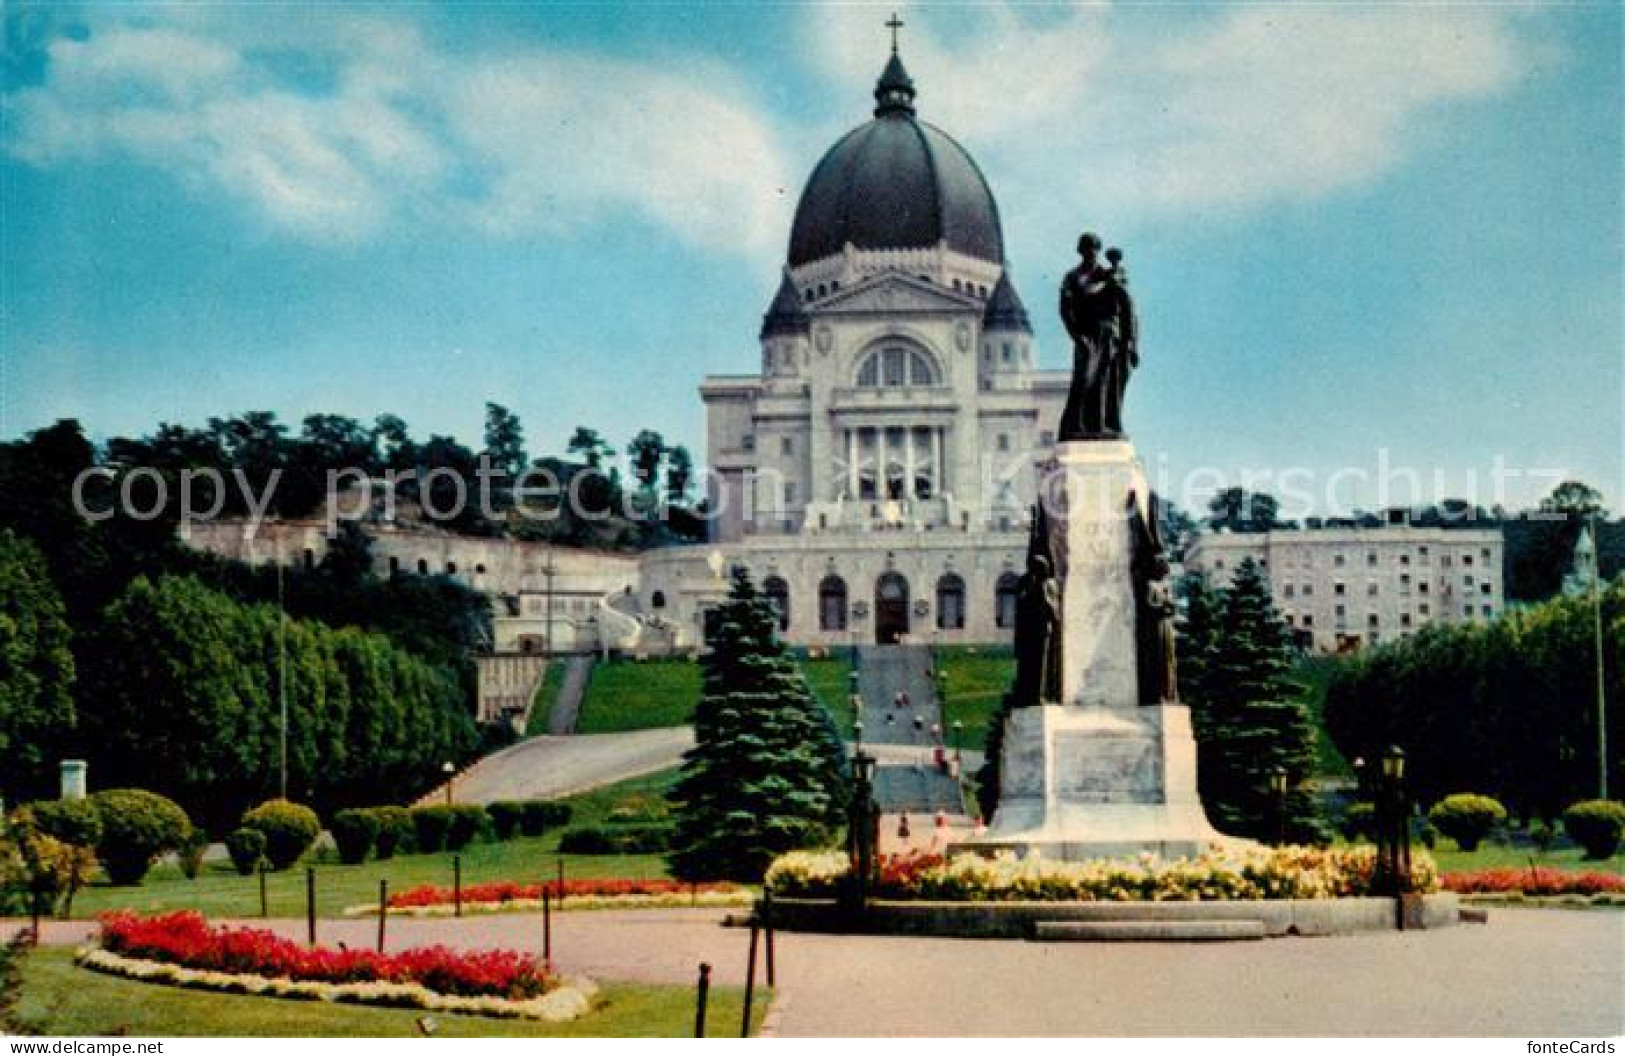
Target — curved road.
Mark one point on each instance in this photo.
(549, 767)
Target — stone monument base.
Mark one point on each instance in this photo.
(1099, 782)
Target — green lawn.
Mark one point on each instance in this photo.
(541, 706)
(1496, 856)
(60, 999)
(639, 695)
(219, 892)
(827, 677)
(977, 681)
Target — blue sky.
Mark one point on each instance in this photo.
(1353, 229)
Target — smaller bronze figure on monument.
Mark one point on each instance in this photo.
(1099, 315)
(1154, 607)
(1038, 624)
(1160, 609)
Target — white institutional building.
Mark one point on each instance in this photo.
(1339, 588)
(875, 476)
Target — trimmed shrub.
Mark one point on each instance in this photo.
(354, 833)
(469, 822)
(1596, 825)
(247, 849)
(1466, 818)
(191, 853)
(618, 839)
(73, 821)
(1360, 822)
(430, 827)
(396, 831)
(290, 829)
(507, 818)
(137, 826)
(540, 815)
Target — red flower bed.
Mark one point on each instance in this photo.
(186, 939)
(505, 891)
(1536, 881)
(899, 873)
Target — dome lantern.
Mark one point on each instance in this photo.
(896, 182)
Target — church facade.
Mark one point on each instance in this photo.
(875, 475)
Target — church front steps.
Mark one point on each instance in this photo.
(1148, 930)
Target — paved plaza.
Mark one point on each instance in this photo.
(1539, 973)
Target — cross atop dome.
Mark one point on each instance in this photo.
(894, 94)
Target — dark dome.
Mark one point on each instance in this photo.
(896, 183)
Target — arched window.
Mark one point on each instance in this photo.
(950, 603)
(1005, 600)
(423, 567)
(657, 600)
(832, 604)
(897, 367)
(777, 592)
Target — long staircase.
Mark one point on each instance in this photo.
(902, 728)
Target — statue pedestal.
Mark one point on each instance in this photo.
(1099, 782)
(1091, 484)
(1101, 774)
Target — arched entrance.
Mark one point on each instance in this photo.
(891, 608)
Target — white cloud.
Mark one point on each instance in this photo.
(1123, 114)
(1142, 112)
(529, 140)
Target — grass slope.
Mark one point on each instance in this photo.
(219, 892)
(62, 1000)
(977, 681)
(639, 695)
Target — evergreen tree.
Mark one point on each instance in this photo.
(1249, 719)
(989, 776)
(1198, 626)
(36, 670)
(767, 773)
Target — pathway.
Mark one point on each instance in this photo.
(906, 738)
(1528, 973)
(561, 721)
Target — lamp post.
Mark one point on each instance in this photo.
(1278, 785)
(1394, 839)
(863, 824)
(959, 742)
(449, 770)
(1602, 685)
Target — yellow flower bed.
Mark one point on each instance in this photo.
(1263, 873)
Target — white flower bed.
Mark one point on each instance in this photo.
(571, 999)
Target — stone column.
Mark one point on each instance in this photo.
(852, 464)
(74, 783)
(908, 462)
(938, 485)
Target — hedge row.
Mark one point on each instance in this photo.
(1597, 825)
(386, 831)
(618, 839)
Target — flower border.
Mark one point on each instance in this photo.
(570, 1000)
(702, 900)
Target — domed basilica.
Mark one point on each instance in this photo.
(875, 476)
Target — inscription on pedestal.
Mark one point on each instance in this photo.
(1108, 768)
